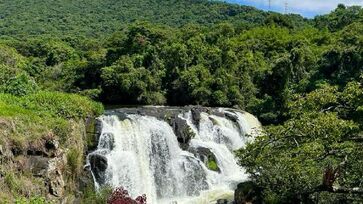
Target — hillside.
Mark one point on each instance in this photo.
(95, 17)
(303, 79)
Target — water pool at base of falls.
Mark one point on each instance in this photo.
(143, 156)
(205, 197)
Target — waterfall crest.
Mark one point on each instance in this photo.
(143, 154)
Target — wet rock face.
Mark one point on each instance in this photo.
(196, 114)
(108, 141)
(207, 156)
(93, 133)
(170, 114)
(98, 165)
(193, 171)
(183, 132)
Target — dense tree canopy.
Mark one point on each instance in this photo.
(302, 78)
(93, 18)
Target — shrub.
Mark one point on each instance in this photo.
(19, 85)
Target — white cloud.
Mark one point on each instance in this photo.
(316, 6)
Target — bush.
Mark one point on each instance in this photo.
(19, 85)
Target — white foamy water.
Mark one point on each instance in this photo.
(145, 157)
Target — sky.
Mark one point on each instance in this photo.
(307, 8)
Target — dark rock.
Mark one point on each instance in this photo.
(218, 113)
(98, 164)
(94, 131)
(248, 192)
(207, 156)
(86, 181)
(121, 116)
(231, 117)
(196, 115)
(38, 165)
(47, 147)
(108, 141)
(16, 151)
(183, 132)
(51, 144)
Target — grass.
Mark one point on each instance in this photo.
(52, 104)
(90, 196)
(12, 182)
(74, 162)
(32, 200)
(33, 116)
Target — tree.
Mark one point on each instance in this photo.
(320, 142)
(129, 84)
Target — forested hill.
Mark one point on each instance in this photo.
(99, 17)
(302, 78)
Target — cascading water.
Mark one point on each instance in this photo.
(143, 156)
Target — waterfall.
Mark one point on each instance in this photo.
(143, 155)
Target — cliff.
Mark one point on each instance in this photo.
(47, 166)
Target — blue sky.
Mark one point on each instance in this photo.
(307, 8)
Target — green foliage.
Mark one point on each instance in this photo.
(212, 165)
(341, 17)
(301, 77)
(321, 132)
(20, 85)
(95, 18)
(12, 182)
(131, 84)
(43, 112)
(68, 106)
(10, 57)
(74, 162)
(90, 196)
(32, 200)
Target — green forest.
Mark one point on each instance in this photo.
(62, 62)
